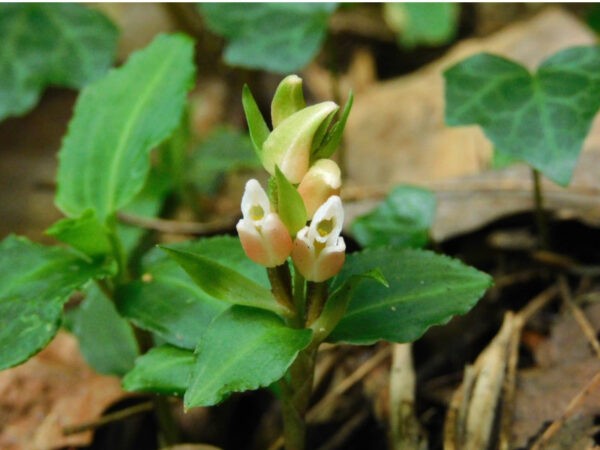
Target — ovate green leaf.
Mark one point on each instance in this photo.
(61, 44)
(244, 348)
(403, 219)
(117, 121)
(423, 23)
(278, 37)
(35, 282)
(163, 370)
(425, 289)
(541, 118)
(106, 339)
(168, 303)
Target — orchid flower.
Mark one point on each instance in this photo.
(319, 250)
(263, 235)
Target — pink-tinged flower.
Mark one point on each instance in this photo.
(263, 235)
(319, 250)
(322, 180)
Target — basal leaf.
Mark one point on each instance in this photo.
(425, 289)
(224, 283)
(423, 23)
(243, 349)
(62, 44)
(106, 340)
(541, 118)
(83, 233)
(163, 370)
(117, 121)
(278, 37)
(403, 219)
(35, 282)
(168, 303)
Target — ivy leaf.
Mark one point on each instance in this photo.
(224, 283)
(117, 121)
(168, 303)
(422, 23)
(225, 150)
(425, 289)
(106, 340)
(541, 118)
(163, 370)
(403, 219)
(277, 37)
(35, 282)
(243, 349)
(64, 45)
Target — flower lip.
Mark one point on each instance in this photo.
(255, 203)
(327, 222)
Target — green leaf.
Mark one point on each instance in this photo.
(290, 205)
(224, 283)
(243, 349)
(106, 339)
(425, 289)
(288, 99)
(117, 121)
(277, 37)
(163, 370)
(403, 219)
(35, 282)
(63, 44)
(168, 303)
(224, 150)
(333, 138)
(422, 23)
(541, 118)
(257, 127)
(84, 233)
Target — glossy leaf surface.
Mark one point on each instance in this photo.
(243, 349)
(425, 289)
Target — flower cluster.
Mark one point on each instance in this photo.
(303, 218)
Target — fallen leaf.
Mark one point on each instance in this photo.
(52, 390)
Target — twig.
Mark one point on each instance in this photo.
(508, 398)
(575, 403)
(108, 418)
(579, 315)
(345, 431)
(176, 227)
(538, 302)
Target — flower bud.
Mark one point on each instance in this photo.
(289, 145)
(319, 250)
(287, 100)
(322, 180)
(263, 235)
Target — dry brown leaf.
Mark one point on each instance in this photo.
(52, 390)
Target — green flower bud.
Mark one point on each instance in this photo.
(289, 145)
(287, 100)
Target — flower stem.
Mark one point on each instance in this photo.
(316, 294)
(296, 392)
(281, 285)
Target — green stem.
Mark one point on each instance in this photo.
(281, 285)
(540, 216)
(296, 392)
(299, 298)
(316, 294)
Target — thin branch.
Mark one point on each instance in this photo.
(176, 227)
(108, 418)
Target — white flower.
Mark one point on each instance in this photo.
(319, 250)
(322, 180)
(263, 235)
